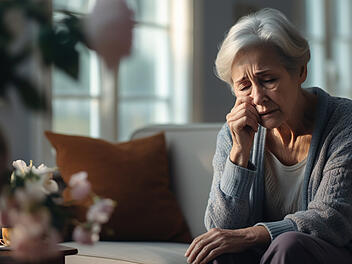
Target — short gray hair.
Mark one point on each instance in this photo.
(268, 26)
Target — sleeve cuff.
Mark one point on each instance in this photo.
(236, 181)
(279, 227)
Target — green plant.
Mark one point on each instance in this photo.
(50, 42)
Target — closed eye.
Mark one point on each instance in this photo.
(243, 88)
(269, 81)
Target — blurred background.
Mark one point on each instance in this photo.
(169, 76)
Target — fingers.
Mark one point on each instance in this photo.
(208, 253)
(241, 119)
(214, 243)
(245, 121)
(205, 247)
(243, 114)
(197, 257)
(247, 105)
(212, 255)
(193, 244)
(196, 246)
(240, 113)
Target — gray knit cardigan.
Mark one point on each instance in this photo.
(236, 197)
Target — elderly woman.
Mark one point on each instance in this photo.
(282, 185)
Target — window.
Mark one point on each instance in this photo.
(342, 47)
(152, 84)
(75, 104)
(330, 37)
(316, 38)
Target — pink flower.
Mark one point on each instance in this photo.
(28, 248)
(49, 185)
(43, 170)
(80, 186)
(108, 30)
(83, 235)
(43, 185)
(21, 167)
(35, 224)
(32, 238)
(31, 194)
(101, 211)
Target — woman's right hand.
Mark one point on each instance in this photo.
(243, 123)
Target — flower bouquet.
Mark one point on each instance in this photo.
(33, 208)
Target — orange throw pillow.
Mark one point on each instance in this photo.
(134, 174)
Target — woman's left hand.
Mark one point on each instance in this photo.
(216, 242)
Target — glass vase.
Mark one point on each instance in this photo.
(6, 236)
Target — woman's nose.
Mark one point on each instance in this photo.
(257, 94)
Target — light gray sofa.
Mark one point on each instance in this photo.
(191, 148)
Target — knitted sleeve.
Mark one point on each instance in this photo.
(228, 204)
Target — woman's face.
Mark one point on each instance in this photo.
(258, 73)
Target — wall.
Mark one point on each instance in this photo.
(14, 125)
(23, 131)
(212, 98)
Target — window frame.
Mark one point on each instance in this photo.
(109, 98)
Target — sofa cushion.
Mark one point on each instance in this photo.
(130, 252)
(135, 175)
(133, 252)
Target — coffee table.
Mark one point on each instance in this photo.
(5, 256)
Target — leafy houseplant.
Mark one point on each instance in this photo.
(29, 36)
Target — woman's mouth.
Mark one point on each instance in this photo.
(268, 113)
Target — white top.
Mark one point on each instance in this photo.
(283, 187)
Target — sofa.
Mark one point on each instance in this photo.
(190, 150)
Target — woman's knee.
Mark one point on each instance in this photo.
(285, 248)
(289, 241)
(248, 257)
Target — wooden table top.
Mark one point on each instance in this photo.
(6, 258)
